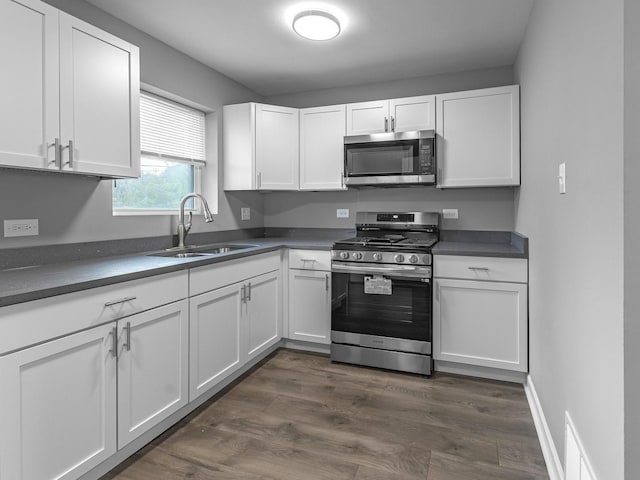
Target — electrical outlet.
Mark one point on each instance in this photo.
(245, 213)
(451, 213)
(562, 178)
(21, 228)
(342, 213)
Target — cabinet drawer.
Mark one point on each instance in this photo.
(48, 318)
(496, 269)
(205, 279)
(310, 259)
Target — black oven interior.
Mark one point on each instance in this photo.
(404, 313)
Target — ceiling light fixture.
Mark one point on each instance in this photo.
(316, 25)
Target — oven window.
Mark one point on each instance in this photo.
(392, 158)
(406, 313)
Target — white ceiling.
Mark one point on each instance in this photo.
(251, 40)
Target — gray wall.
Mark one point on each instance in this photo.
(449, 82)
(77, 209)
(631, 236)
(479, 209)
(570, 70)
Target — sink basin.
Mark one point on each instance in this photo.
(178, 254)
(199, 251)
(216, 250)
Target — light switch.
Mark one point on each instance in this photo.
(245, 213)
(342, 213)
(562, 178)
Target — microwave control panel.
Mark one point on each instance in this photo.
(427, 158)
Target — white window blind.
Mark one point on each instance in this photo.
(170, 130)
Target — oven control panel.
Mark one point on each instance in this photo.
(408, 258)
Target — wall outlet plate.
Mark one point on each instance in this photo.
(562, 178)
(451, 213)
(342, 213)
(21, 228)
(245, 213)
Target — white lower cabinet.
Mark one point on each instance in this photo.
(233, 324)
(479, 321)
(215, 320)
(310, 296)
(310, 306)
(153, 368)
(263, 300)
(58, 407)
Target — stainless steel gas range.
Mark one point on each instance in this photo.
(381, 312)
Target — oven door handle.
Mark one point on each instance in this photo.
(397, 272)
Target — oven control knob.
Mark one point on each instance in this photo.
(357, 255)
(413, 259)
(377, 257)
(399, 258)
(345, 255)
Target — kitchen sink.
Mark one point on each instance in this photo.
(205, 251)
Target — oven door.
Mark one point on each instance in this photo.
(373, 302)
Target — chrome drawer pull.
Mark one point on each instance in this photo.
(116, 302)
(326, 282)
(114, 342)
(481, 269)
(127, 330)
(248, 292)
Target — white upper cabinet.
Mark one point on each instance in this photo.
(29, 85)
(478, 138)
(322, 131)
(413, 113)
(260, 147)
(71, 101)
(396, 115)
(99, 101)
(367, 117)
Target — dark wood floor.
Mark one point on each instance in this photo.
(299, 416)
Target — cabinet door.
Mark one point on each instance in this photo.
(263, 316)
(58, 407)
(214, 337)
(322, 131)
(480, 323)
(478, 143)
(310, 306)
(277, 147)
(99, 101)
(29, 84)
(368, 117)
(413, 113)
(153, 368)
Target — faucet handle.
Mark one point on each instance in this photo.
(187, 227)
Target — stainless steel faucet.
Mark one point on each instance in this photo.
(183, 229)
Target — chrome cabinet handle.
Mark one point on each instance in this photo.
(243, 294)
(393, 124)
(259, 179)
(127, 330)
(480, 269)
(70, 147)
(249, 292)
(342, 180)
(114, 342)
(56, 152)
(386, 124)
(326, 282)
(70, 153)
(122, 300)
(305, 260)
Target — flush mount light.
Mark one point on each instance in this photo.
(316, 25)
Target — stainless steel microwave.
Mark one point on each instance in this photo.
(396, 158)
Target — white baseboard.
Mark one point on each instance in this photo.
(478, 371)
(549, 451)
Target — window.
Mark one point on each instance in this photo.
(172, 144)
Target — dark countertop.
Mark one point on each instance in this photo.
(33, 282)
(29, 283)
(482, 244)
